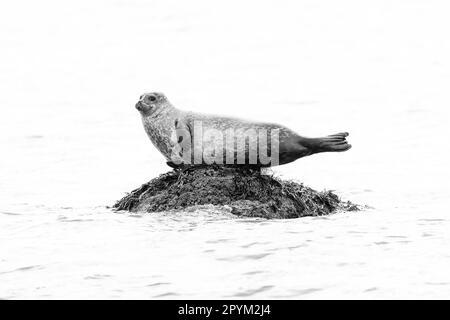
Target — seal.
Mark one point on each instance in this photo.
(188, 138)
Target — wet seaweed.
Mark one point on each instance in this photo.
(245, 190)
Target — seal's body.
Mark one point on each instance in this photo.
(187, 138)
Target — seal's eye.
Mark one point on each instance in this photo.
(152, 98)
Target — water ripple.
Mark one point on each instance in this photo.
(168, 294)
(246, 257)
(251, 292)
(27, 268)
(157, 284)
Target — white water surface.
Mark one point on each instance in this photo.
(72, 144)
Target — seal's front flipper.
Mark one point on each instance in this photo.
(175, 166)
(172, 165)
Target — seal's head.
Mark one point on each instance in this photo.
(151, 103)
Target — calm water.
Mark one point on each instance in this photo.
(73, 144)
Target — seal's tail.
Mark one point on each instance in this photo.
(334, 143)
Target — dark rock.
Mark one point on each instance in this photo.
(246, 191)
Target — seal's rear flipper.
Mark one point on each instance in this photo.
(334, 143)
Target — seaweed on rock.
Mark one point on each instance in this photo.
(245, 190)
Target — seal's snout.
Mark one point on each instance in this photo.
(139, 106)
